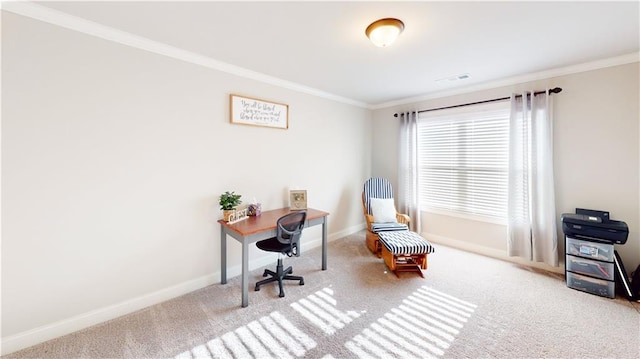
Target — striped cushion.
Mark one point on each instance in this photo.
(405, 243)
(376, 187)
(388, 226)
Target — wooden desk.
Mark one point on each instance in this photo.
(258, 228)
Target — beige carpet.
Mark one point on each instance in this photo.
(467, 306)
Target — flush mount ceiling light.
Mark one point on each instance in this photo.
(383, 32)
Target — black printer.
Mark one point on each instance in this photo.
(594, 225)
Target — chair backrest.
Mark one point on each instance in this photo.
(289, 230)
(376, 187)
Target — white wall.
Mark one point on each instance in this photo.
(596, 159)
(113, 159)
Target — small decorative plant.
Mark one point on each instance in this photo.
(229, 201)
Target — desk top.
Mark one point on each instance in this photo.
(266, 221)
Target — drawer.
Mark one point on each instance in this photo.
(590, 267)
(599, 287)
(591, 250)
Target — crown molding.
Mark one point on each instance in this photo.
(91, 28)
(568, 70)
(55, 17)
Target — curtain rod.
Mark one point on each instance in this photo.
(551, 91)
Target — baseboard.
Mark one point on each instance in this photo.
(489, 252)
(50, 331)
(57, 329)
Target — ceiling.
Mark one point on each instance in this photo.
(322, 45)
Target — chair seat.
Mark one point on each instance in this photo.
(405, 243)
(272, 245)
(388, 226)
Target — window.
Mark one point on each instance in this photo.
(463, 160)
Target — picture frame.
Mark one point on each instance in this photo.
(298, 200)
(257, 112)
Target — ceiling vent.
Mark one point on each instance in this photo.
(454, 78)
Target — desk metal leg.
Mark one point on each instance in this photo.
(223, 256)
(245, 273)
(324, 244)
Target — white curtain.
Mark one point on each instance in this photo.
(407, 193)
(531, 204)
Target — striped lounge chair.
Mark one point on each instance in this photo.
(379, 188)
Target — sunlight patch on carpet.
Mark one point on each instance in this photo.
(423, 326)
(274, 336)
(320, 309)
(270, 336)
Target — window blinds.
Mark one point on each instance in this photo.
(463, 157)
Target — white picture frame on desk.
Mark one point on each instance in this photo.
(298, 200)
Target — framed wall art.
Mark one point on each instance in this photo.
(255, 112)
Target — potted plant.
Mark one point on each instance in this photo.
(228, 202)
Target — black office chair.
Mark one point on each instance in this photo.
(286, 242)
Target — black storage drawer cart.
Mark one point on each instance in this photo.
(589, 267)
(589, 248)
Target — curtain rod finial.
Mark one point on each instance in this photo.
(555, 90)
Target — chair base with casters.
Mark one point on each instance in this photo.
(279, 276)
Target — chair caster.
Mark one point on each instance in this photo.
(301, 282)
(281, 295)
(265, 274)
(257, 289)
